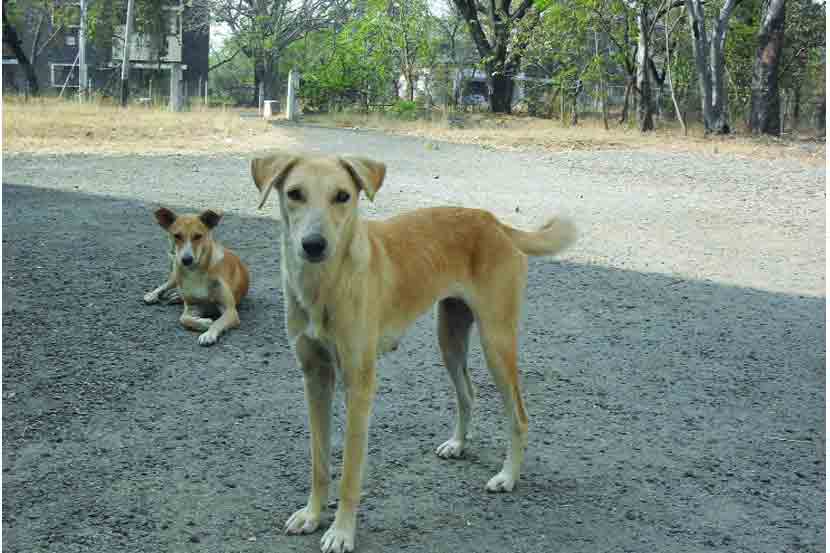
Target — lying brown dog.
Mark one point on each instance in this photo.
(352, 287)
(209, 277)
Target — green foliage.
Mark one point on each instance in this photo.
(739, 51)
(405, 110)
(347, 65)
(60, 13)
(360, 61)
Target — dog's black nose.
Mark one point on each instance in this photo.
(187, 260)
(314, 245)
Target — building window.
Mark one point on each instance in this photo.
(64, 73)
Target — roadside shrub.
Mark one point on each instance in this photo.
(405, 110)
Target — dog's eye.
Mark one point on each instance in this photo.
(295, 194)
(342, 197)
(197, 237)
(177, 236)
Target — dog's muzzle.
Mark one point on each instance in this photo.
(314, 247)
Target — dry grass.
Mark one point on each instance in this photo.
(517, 132)
(56, 127)
(60, 127)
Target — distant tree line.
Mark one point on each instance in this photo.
(728, 62)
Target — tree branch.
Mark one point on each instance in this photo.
(223, 62)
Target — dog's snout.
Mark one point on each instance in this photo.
(187, 260)
(314, 245)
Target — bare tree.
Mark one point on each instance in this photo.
(263, 29)
(647, 19)
(765, 115)
(708, 50)
(502, 51)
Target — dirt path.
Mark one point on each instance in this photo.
(673, 363)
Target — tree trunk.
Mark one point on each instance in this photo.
(624, 115)
(265, 78)
(12, 40)
(604, 102)
(410, 85)
(645, 108)
(503, 58)
(603, 95)
(796, 105)
(258, 71)
(501, 92)
(709, 62)
(821, 114)
(765, 114)
(269, 78)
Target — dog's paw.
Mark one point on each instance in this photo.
(502, 482)
(207, 338)
(302, 522)
(173, 297)
(451, 449)
(151, 298)
(337, 540)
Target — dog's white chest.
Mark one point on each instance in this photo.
(195, 285)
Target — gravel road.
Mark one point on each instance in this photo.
(673, 362)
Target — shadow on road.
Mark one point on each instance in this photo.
(666, 414)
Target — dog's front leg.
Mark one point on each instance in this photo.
(155, 295)
(173, 295)
(318, 375)
(359, 381)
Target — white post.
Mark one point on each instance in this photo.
(291, 96)
(82, 78)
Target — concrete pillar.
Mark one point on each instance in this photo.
(291, 96)
(175, 87)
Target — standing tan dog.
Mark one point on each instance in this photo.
(207, 275)
(352, 287)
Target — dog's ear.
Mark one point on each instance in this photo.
(165, 217)
(270, 172)
(367, 174)
(211, 217)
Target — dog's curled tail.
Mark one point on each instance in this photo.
(555, 236)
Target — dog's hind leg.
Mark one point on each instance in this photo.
(191, 319)
(499, 327)
(228, 319)
(454, 323)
